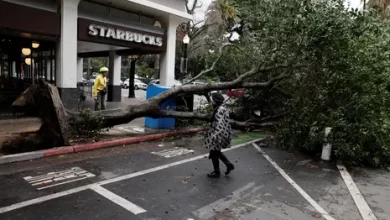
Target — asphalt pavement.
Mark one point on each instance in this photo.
(167, 180)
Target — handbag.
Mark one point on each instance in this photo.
(104, 91)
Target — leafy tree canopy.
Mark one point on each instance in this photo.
(343, 82)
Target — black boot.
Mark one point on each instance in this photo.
(226, 161)
(214, 158)
(214, 174)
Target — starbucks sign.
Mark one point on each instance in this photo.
(119, 34)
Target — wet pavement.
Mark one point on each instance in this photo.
(167, 180)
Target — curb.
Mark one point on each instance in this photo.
(21, 157)
(88, 147)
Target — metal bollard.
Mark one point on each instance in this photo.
(326, 148)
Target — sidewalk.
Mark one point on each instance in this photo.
(15, 126)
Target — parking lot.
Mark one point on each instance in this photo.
(167, 180)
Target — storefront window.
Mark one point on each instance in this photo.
(22, 62)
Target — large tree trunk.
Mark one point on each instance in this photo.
(42, 100)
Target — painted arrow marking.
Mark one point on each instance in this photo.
(58, 178)
(177, 151)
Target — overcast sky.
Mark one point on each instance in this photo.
(355, 3)
(200, 13)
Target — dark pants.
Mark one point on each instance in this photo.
(100, 102)
(215, 156)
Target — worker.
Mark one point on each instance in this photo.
(100, 89)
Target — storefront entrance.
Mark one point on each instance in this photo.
(99, 39)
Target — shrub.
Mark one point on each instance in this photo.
(92, 126)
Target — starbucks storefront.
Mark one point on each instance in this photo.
(48, 39)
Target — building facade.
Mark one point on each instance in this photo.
(49, 38)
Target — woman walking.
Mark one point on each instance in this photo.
(218, 136)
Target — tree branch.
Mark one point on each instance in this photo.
(189, 115)
(194, 6)
(199, 5)
(194, 48)
(217, 60)
(237, 83)
(282, 92)
(151, 107)
(205, 117)
(269, 118)
(194, 24)
(250, 125)
(199, 30)
(212, 66)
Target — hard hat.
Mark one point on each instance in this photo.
(103, 69)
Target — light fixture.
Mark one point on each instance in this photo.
(157, 24)
(26, 35)
(186, 39)
(35, 44)
(26, 51)
(28, 61)
(133, 57)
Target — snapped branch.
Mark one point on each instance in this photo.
(238, 83)
(221, 50)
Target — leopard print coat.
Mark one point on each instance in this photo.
(220, 133)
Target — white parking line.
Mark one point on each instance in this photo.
(324, 213)
(360, 202)
(208, 211)
(129, 206)
(117, 179)
(43, 199)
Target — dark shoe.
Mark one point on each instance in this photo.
(214, 175)
(229, 169)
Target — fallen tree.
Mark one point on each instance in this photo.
(58, 124)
